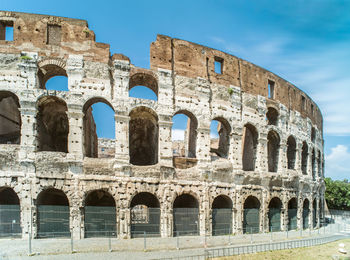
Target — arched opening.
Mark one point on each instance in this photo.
(292, 214)
(313, 164)
(10, 118)
(291, 152)
(275, 207)
(10, 213)
(272, 116)
(53, 77)
(99, 214)
(273, 144)
(143, 136)
(251, 215)
(222, 216)
(185, 216)
(59, 83)
(250, 143)
(306, 210)
(145, 215)
(142, 85)
(313, 134)
(184, 137)
(304, 155)
(52, 213)
(52, 125)
(219, 138)
(314, 211)
(99, 129)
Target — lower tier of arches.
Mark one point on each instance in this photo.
(162, 210)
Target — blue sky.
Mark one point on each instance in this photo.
(305, 42)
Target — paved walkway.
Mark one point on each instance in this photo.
(156, 248)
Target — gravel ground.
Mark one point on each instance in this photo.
(98, 248)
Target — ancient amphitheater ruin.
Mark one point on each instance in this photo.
(265, 171)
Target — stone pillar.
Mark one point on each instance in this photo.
(239, 213)
(282, 157)
(298, 156)
(76, 132)
(261, 154)
(235, 152)
(309, 161)
(300, 212)
(203, 145)
(29, 69)
(124, 222)
(204, 212)
(28, 128)
(166, 218)
(76, 216)
(122, 138)
(75, 71)
(165, 142)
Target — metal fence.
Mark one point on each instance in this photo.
(53, 221)
(221, 221)
(100, 221)
(145, 221)
(292, 219)
(10, 221)
(256, 248)
(186, 221)
(251, 220)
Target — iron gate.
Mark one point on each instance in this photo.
(145, 220)
(292, 219)
(10, 220)
(100, 221)
(305, 218)
(53, 221)
(186, 221)
(274, 219)
(251, 221)
(221, 221)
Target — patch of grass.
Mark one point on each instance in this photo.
(326, 251)
(25, 57)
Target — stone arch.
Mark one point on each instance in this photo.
(292, 213)
(52, 124)
(99, 214)
(291, 152)
(144, 78)
(306, 213)
(222, 145)
(222, 215)
(185, 157)
(185, 215)
(272, 116)
(145, 215)
(10, 213)
(275, 208)
(91, 143)
(10, 118)
(49, 68)
(249, 147)
(52, 213)
(143, 136)
(251, 215)
(273, 144)
(304, 158)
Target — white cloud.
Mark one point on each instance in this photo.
(337, 163)
(177, 134)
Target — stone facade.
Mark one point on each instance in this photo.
(271, 142)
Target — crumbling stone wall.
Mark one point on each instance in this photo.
(58, 146)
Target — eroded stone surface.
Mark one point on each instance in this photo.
(68, 157)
